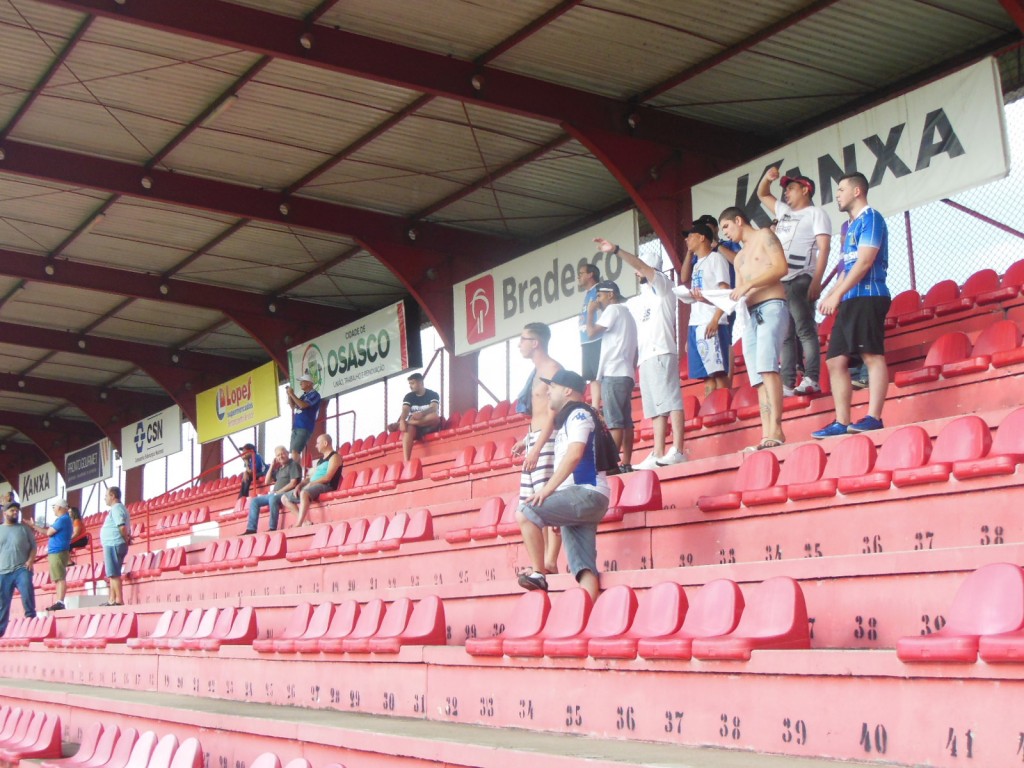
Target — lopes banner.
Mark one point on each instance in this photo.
(88, 465)
(540, 286)
(940, 139)
(354, 355)
(242, 402)
(38, 484)
(153, 437)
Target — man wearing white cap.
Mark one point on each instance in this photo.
(304, 419)
(58, 551)
(658, 355)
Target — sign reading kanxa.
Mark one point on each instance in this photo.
(38, 484)
(355, 355)
(940, 139)
(88, 465)
(151, 438)
(238, 404)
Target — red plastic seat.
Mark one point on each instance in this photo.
(989, 602)
(411, 470)
(902, 303)
(458, 468)
(982, 281)
(483, 418)
(1009, 286)
(502, 458)
(334, 541)
(374, 534)
(482, 456)
(317, 627)
(342, 621)
(998, 342)
(448, 429)
(804, 465)
(367, 622)
(168, 625)
(163, 752)
(948, 348)
(294, 628)
(266, 760)
(214, 625)
(348, 481)
(758, 471)
(466, 422)
(963, 439)
(268, 546)
(138, 755)
(316, 546)
(746, 404)
(852, 457)
(87, 747)
(943, 292)
(395, 620)
(905, 448)
(242, 632)
(1006, 452)
(419, 528)
(499, 416)
(527, 620)
(714, 611)
(691, 418)
(484, 527)
(40, 739)
(660, 613)
(188, 755)
(507, 524)
(114, 752)
(356, 534)
(612, 615)
(775, 617)
(641, 492)
(568, 617)
(426, 626)
(391, 538)
(716, 408)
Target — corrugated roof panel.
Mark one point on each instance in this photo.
(15, 358)
(34, 405)
(294, 9)
(229, 340)
(487, 122)
(55, 306)
(152, 322)
(71, 413)
(117, 36)
(363, 284)
(40, 18)
(67, 366)
(390, 190)
(36, 216)
(337, 86)
(243, 274)
(137, 381)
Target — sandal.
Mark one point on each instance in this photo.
(769, 442)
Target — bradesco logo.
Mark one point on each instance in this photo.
(232, 398)
(519, 296)
(480, 309)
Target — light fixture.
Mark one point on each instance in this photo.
(164, 289)
(306, 40)
(81, 343)
(412, 234)
(21, 383)
(272, 307)
(633, 120)
(46, 423)
(147, 182)
(3, 155)
(175, 358)
(477, 81)
(188, 385)
(284, 208)
(103, 395)
(431, 274)
(50, 270)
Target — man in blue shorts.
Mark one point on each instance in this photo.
(860, 301)
(306, 406)
(707, 347)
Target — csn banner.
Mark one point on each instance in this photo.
(242, 402)
(540, 286)
(88, 465)
(354, 355)
(940, 139)
(38, 484)
(151, 438)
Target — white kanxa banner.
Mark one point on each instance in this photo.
(354, 355)
(151, 438)
(940, 139)
(540, 286)
(38, 484)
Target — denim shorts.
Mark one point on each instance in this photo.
(762, 341)
(113, 559)
(577, 510)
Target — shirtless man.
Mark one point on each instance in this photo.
(539, 444)
(760, 267)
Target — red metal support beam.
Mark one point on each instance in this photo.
(54, 437)
(16, 458)
(1015, 9)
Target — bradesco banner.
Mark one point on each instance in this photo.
(945, 137)
(38, 484)
(540, 286)
(354, 355)
(88, 465)
(151, 438)
(243, 402)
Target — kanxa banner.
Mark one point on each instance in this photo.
(88, 465)
(38, 484)
(540, 286)
(940, 139)
(242, 402)
(355, 355)
(151, 438)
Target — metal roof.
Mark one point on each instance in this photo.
(188, 187)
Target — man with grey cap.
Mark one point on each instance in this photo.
(58, 552)
(616, 369)
(658, 354)
(576, 496)
(17, 553)
(306, 406)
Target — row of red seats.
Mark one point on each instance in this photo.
(663, 624)
(77, 576)
(180, 522)
(239, 552)
(472, 420)
(271, 760)
(23, 630)
(485, 457)
(148, 565)
(362, 536)
(376, 479)
(952, 354)
(96, 630)
(983, 288)
(193, 493)
(964, 449)
(199, 629)
(638, 491)
(26, 734)
(353, 628)
(110, 747)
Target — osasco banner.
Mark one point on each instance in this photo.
(88, 465)
(940, 139)
(151, 438)
(242, 402)
(354, 355)
(38, 484)
(540, 286)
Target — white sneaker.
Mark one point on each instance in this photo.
(670, 458)
(807, 387)
(651, 462)
(788, 391)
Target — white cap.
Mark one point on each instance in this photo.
(306, 377)
(652, 258)
(60, 504)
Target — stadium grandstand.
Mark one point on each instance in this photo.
(201, 200)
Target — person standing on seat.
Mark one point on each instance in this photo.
(17, 554)
(58, 551)
(538, 445)
(255, 467)
(616, 371)
(285, 474)
(115, 536)
(324, 477)
(587, 278)
(707, 348)
(575, 498)
(805, 232)
(306, 407)
(658, 354)
(860, 301)
(421, 414)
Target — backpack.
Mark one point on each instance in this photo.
(606, 453)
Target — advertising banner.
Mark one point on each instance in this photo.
(940, 139)
(540, 286)
(355, 355)
(38, 484)
(151, 438)
(88, 465)
(238, 404)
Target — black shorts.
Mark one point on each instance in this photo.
(859, 327)
(591, 358)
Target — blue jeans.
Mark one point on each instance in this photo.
(21, 580)
(272, 500)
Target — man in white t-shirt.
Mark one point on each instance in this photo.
(805, 232)
(617, 365)
(707, 349)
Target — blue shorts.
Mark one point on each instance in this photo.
(707, 357)
(113, 559)
(762, 341)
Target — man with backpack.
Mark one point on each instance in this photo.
(576, 497)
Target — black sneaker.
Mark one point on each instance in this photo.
(625, 469)
(58, 606)
(533, 580)
(248, 532)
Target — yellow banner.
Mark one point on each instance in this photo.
(245, 401)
